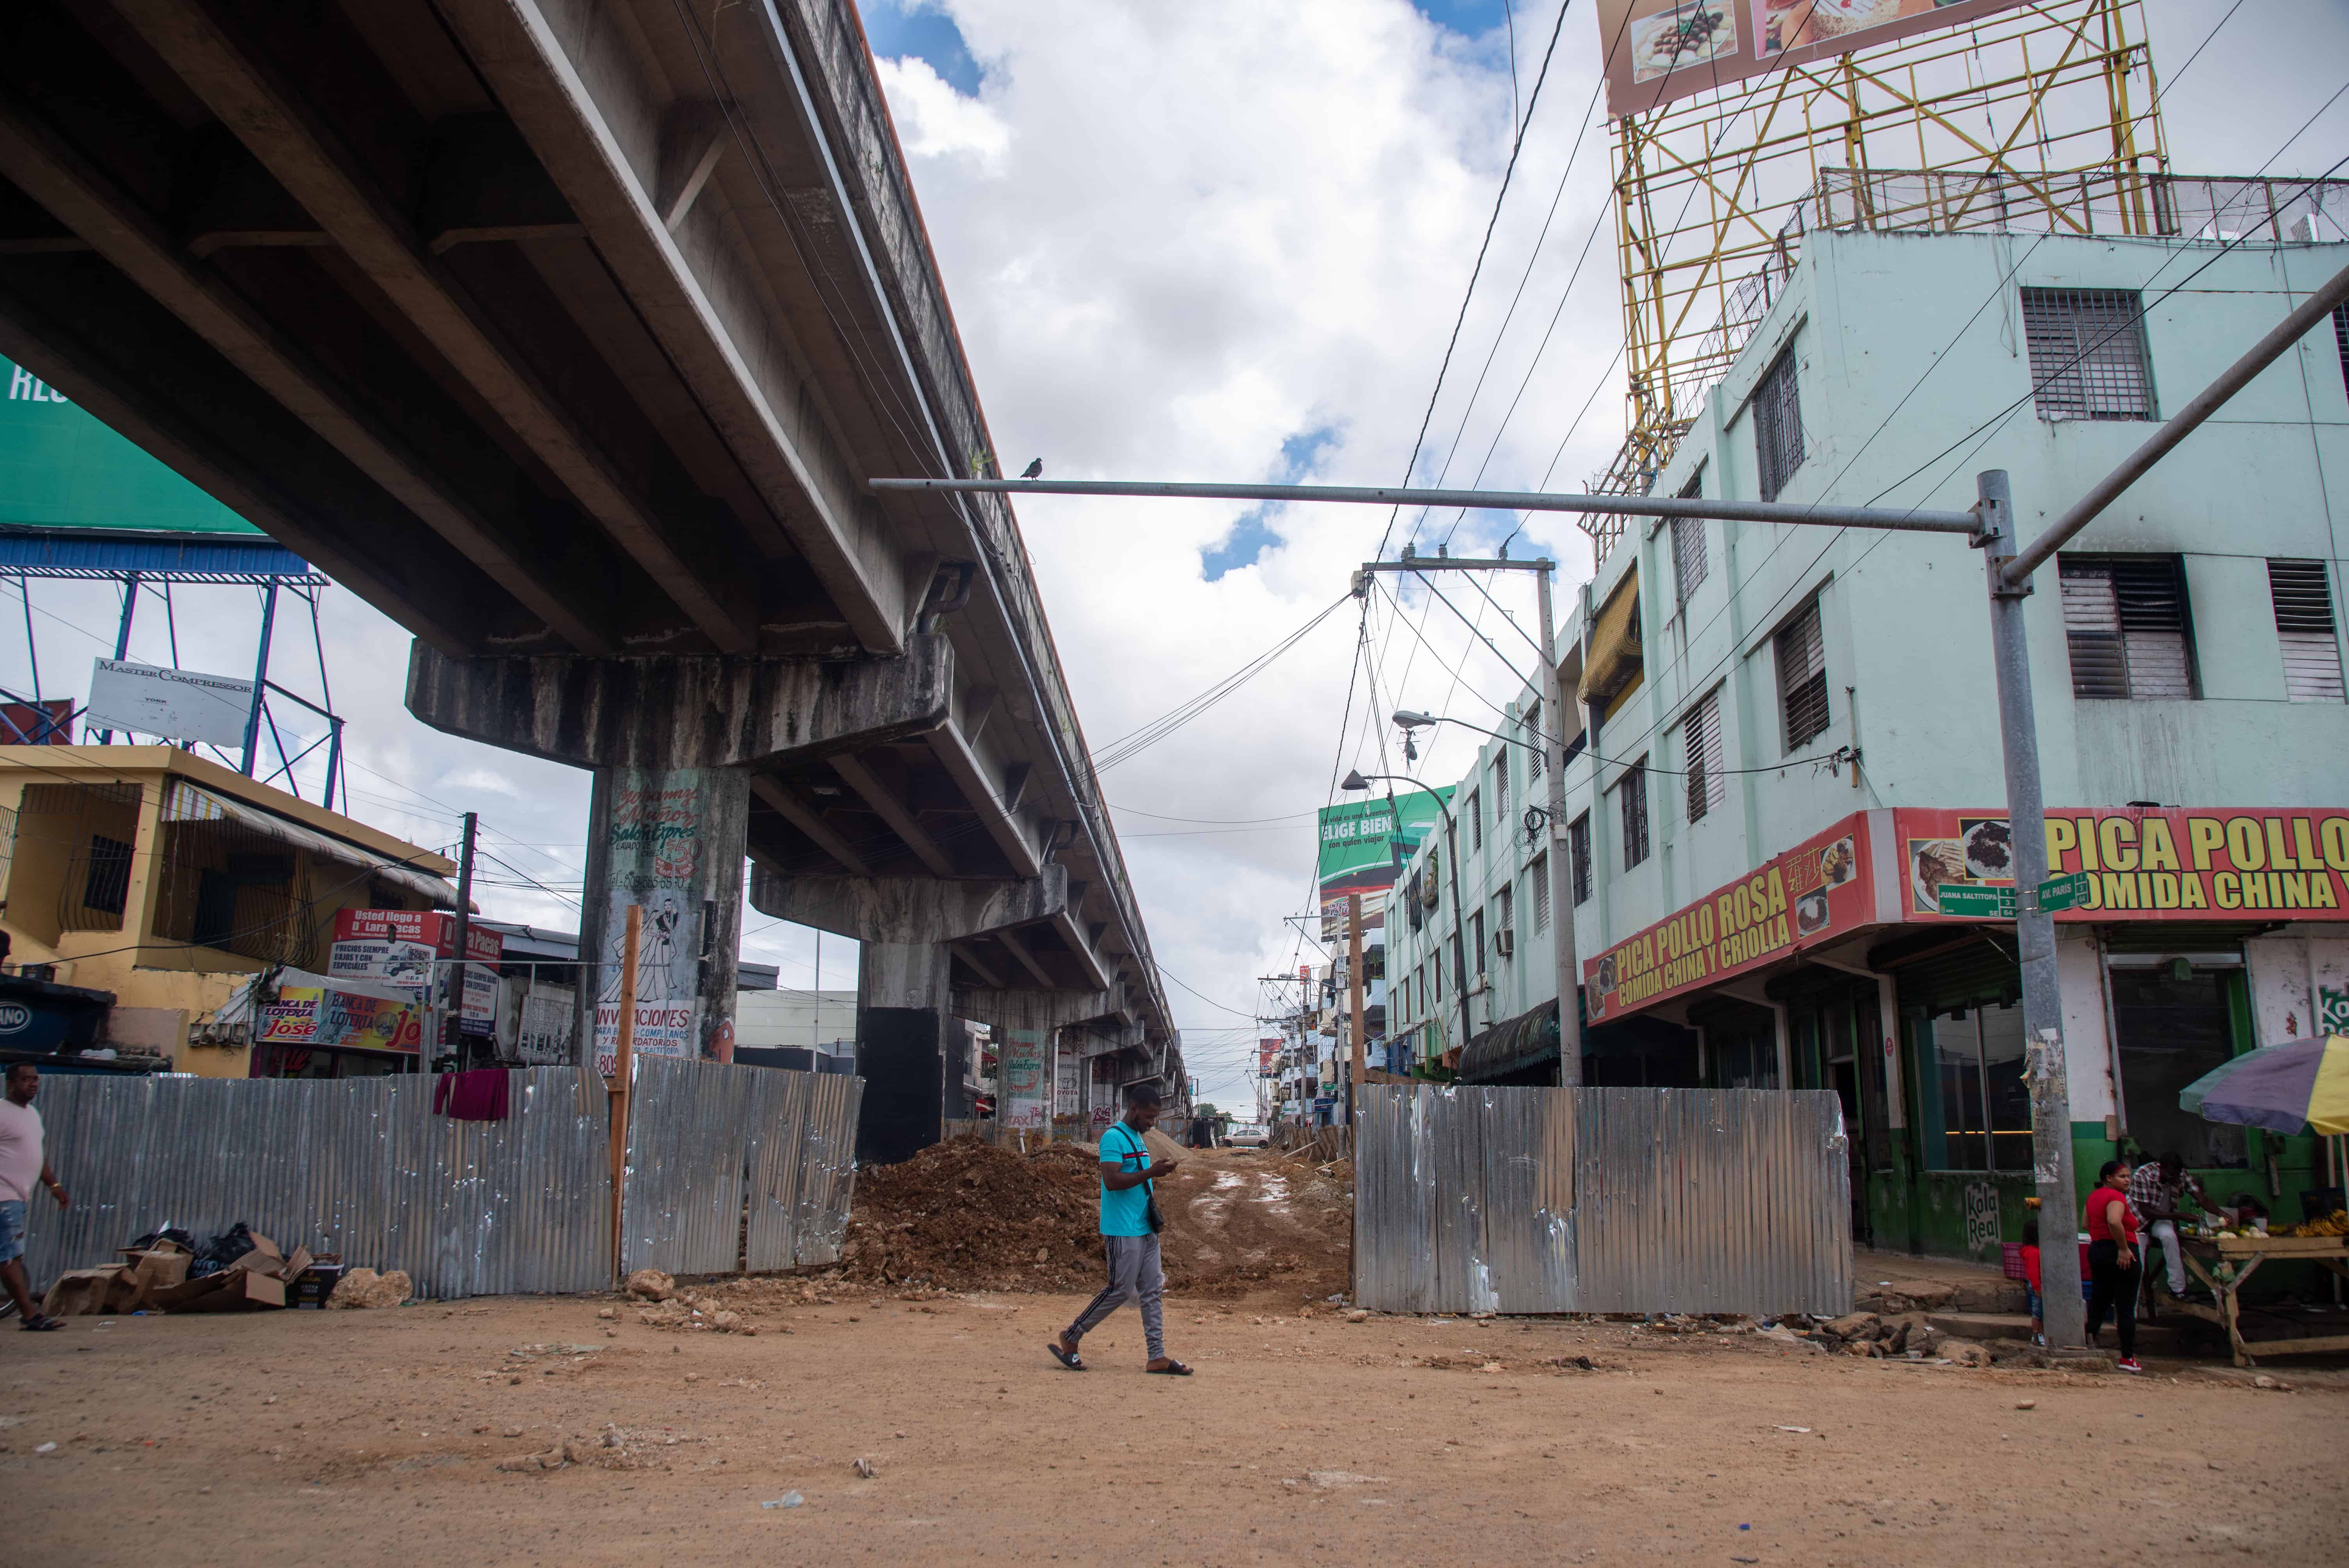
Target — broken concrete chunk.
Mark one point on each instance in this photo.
(651, 1285)
(361, 1288)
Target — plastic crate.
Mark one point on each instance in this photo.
(2010, 1259)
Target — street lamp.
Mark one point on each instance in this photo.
(1357, 779)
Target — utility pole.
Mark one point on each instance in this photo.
(455, 1018)
(1561, 890)
(2034, 928)
(1354, 1024)
(623, 1065)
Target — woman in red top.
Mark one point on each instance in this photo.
(2114, 1265)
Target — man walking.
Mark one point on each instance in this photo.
(21, 1167)
(1129, 1225)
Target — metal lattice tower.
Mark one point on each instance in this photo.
(2045, 118)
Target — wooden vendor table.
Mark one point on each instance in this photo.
(2247, 1253)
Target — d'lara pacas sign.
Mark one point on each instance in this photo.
(1815, 890)
(2186, 863)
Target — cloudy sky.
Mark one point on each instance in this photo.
(1226, 240)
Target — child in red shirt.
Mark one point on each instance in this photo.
(2030, 1281)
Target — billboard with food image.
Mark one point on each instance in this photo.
(2143, 862)
(1659, 50)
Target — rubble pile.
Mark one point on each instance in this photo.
(967, 1215)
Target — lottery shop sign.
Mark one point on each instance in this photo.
(2179, 863)
(1814, 892)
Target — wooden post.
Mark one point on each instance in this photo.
(1355, 1029)
(622, 1059)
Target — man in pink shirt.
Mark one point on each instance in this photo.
(22, 1167)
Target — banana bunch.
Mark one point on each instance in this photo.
(2336, 1223)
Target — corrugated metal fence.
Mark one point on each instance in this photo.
(362, 1167)
(1612, 1200)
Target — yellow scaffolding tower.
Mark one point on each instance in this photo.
(2041, 118)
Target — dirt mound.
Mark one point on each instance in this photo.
(967, 1215)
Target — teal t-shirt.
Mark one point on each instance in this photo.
(1125, 1213)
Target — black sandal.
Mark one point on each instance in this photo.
(37, 1323)
(1068, 1358)
(1173, 1369)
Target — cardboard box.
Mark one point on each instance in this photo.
(230, 1290)
(81, 1293)
(313, 1285)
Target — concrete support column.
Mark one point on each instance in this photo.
(670, 839)
(907, 1037)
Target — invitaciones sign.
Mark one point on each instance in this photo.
(2187, 863)
(1814, 892)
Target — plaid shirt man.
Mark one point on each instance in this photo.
(2149, 1194)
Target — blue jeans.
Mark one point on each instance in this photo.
(12, 1230)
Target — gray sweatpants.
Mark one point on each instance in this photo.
(1133, 1274)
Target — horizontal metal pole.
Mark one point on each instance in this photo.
(1495, 501)
(1460, 563)
(2268, 349)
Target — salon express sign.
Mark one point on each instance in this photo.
(2146, 864)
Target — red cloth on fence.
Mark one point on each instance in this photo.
(477, 1096)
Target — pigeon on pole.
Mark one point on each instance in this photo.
(1034, 469)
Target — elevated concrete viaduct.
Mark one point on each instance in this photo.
(566, 333)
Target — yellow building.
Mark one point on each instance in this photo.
(167, 878)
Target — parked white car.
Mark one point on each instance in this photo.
(1246, 1135)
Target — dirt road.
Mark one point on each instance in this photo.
(376, 1436)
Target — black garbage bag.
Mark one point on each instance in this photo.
(167, 1233)
(222, 1251)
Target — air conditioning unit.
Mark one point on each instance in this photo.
(1505, 942)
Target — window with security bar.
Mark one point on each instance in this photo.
(1501, 790)
(2088, 358)
(1689, 562)
(2303, 597)
(2127, 625)
(1475, 820)
(1631, 801)
(1578, 857)
(2341, 340)
(1532, 720)
(1537, 876)
(1505, 911)
(1778, 425)
(1802, 678)
(1700, 733)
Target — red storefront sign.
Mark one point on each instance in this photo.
(2157, 863)
(2177, 863)
(1820, 890)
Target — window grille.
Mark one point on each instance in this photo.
(1501, 789)
(1802, 678)
(1504, 908)
(1533, 723)
(1476, 940)
(1475, 820)
(1578, 857)
(2341, 340)
(1778, 425)
(2124, 625)
(1689, 562)
(106, 885)
(1702, 733)
(1538, 873)
(2089, 357)
(2303, 618)
(1631, 795)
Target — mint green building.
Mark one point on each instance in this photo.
(1809, 714)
